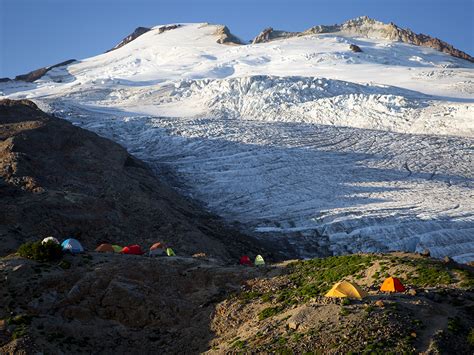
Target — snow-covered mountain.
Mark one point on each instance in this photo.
(296, 137)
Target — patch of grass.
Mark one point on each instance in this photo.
(21, 319)
(297, 336)
(467, 278)
(344, 311)
(21, 323)
(345, 302)
(238, 344)
(267, 297)
(454, 325)
(369, 309)
(248, 296)
(269, 312)
(428, 272)
(38, 251)
(315, 277)
(470, 337)
(64, 264)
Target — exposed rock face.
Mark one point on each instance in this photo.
(269, 34)
(367, 27)
(57, 179)
(134, 35)
(226, 37)
(140, 31)
(263, 36)
(167, 28)
(355, 48)
(39, 73)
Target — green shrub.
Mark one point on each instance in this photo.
(38, 251)
(21, 323)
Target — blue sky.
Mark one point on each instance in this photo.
(36, 33)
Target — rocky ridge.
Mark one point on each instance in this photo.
(134, 35)
(367, 27)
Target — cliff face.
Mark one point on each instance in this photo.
(57, 179)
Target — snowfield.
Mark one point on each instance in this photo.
(299, 140)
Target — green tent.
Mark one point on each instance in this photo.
(117, 248)
(259, 261)
(170, 252)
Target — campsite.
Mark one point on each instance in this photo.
(280, 307)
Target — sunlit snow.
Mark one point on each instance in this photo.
(298, 140)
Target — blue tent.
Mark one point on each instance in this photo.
(72, 246)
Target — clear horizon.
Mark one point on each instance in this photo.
(38, 33)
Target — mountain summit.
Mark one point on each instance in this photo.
(366, 27)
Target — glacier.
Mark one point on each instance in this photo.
(298, 141)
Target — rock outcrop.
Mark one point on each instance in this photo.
(367, 27)
(60, 180)
(134, 35)
(167, 28)
(269, 34)
(355, 48)
(39, 73)
(226, 37)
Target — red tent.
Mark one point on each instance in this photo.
(132, 249)
(245, 260)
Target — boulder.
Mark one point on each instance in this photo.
(355, 48)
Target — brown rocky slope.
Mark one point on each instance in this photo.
(57, 179)
(109, 303)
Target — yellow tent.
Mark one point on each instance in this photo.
(346, 289)
(259, 261)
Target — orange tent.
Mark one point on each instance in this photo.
(157, 246)
(105, 248)
(392, 284)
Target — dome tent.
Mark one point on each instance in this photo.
(72, 246)
(117, 248)
(132, 250)
(259, 261)
(157, 249)
(105, 248)
(245, 260)
(392, 284)
(346, 289)
(49, 239)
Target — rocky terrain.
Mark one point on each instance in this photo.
(370, 28)
(60, 180)
(109, 303)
